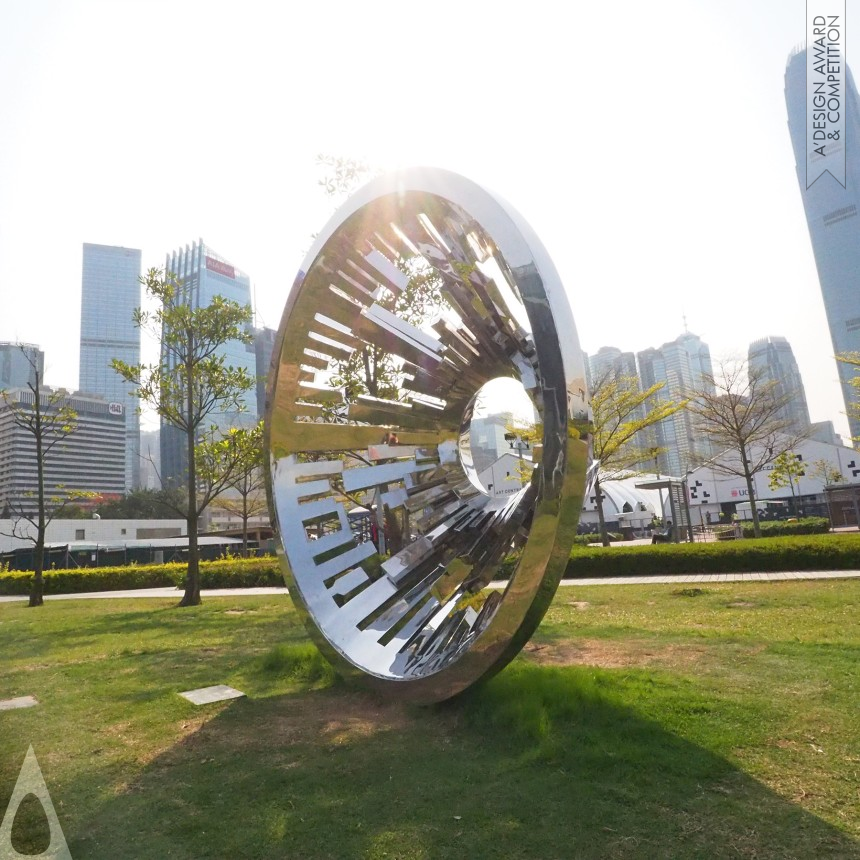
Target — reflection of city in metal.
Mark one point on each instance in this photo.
(422, 288)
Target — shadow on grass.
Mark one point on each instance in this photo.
(154, 624)
(538, 763)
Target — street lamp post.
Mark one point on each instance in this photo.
(686, 486)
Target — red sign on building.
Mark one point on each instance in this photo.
(222, 268)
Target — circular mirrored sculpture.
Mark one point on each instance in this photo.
(427, 434)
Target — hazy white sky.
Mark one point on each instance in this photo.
(646, 143)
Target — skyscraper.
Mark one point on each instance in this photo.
(774, 359)
(19, 363)
(831, 215)
(652, 369)
(202, 275)
(264, 344)
(609, 360)
(684, 367)
(110, 292)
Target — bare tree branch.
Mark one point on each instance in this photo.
(742, 413)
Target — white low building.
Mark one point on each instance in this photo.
(712, 492)
(505, 476)
(625, 504)
(20, 533)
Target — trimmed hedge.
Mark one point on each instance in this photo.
(585, 540)
(805, 526)
(224, 573)
(815, 552)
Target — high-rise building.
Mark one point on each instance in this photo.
(19, 363)
(91, 459)
(150, 460)
(773, 359)
(589, 381)
(610, 364)
(824, 431)
(611, 361)
(203, 274)
(110, 293)
(264, 344)
(652, 370)
(832, 218)
(684, 367)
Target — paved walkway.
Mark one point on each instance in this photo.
(169, 591)
(669, 579)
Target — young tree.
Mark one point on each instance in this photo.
(826, 472)
(621, 412)
(248, 498)
(787, 472)
(741, 412)
(190, 383)
(49, 419)
(144, 505)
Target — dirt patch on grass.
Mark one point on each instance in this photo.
(615, 655)
(331, 717)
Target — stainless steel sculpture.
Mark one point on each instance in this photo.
(420, 289)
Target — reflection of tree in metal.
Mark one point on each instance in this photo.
(421, 289)
(372, 370)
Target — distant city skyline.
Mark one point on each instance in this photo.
(644, 229)
(682, 366)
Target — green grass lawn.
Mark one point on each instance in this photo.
(646, 721)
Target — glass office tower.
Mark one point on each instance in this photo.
(684, 367)
(110, 292)
(774, 358)
(19, 363)
(204, 274)
(831, 214)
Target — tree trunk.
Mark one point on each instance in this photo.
(37, 590)
(604, 537)
(798, 496)
(394, 530)
(751, 495)
(191, 597)
(245, 525)
(192, 577)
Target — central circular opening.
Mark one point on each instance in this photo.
(499, 437)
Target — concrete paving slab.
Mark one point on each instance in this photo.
(19, 702)
(208, 695)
